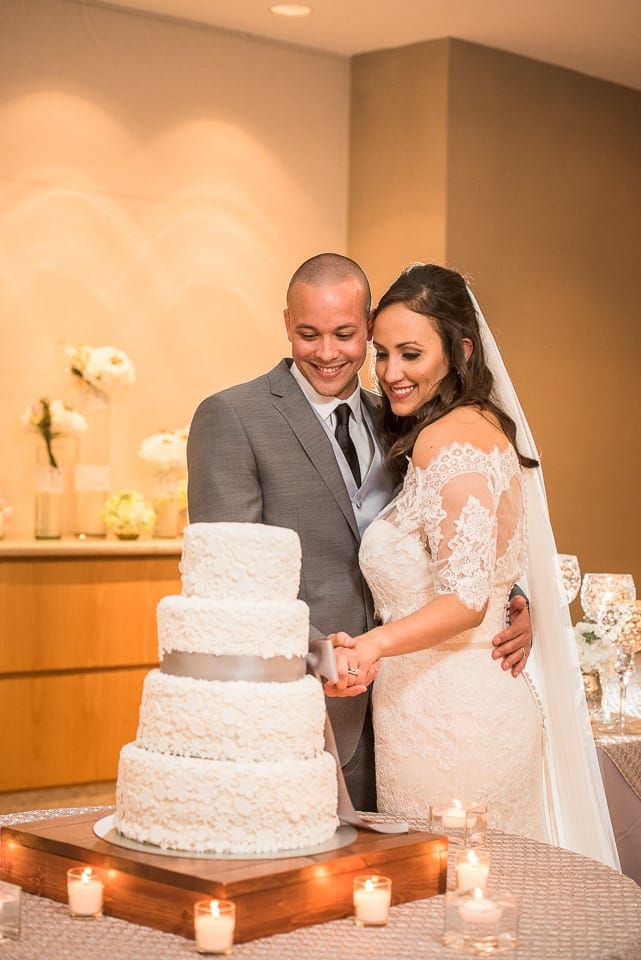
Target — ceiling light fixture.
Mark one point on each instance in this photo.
(291, 9)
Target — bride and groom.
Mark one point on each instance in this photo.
(440, 553)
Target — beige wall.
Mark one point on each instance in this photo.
(159, 182)
(541, 200)
(398, 158)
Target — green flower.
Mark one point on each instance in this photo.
(128, 512)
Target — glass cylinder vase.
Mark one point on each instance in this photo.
(49, 490)
(92, 474)
(167, 503)
(593, 691)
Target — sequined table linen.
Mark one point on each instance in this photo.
(571, 907)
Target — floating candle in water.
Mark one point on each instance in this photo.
(480, 910)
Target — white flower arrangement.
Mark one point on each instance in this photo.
(166, 450)
(51, 419)
(103, 368)
(594, 649)
(128, 514)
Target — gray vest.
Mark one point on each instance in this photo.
(377, 487)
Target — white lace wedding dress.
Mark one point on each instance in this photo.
(449, 722)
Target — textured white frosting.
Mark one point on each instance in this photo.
(231, 766)
(231, 720)
(225, 807)
(270, 628)
(249, 560)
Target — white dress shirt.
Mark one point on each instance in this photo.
(324, 408)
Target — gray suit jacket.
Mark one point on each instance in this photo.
(257, 453)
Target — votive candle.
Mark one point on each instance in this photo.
(472, 869)
(372, 898)
(84, 892)
(214, 923)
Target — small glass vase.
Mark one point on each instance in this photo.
(92, 475)
(49, 490)
(167, 504)
(593, 691)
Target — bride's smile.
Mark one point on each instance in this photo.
(410, 360)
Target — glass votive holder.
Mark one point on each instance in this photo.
(372, 898)
(85, 890)
(472, 869)
(214, 924)
(9, 911)
(481, 923)
(464, 824)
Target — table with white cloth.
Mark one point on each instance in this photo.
(571, 908)
(620, 762)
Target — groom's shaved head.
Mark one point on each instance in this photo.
(327, 269)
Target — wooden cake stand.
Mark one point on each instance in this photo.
(271, 895)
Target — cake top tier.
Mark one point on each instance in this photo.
(249, 560)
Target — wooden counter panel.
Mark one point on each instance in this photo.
(76, 613)
(68, 728)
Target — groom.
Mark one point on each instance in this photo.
(277, 450)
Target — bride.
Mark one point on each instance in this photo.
(440, 561)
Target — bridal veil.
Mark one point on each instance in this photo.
(578, 812)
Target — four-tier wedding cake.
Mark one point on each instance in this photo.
(229, 755)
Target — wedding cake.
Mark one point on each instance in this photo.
(229, 755)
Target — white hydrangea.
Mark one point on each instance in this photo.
(104, 368)
(594, 649)
(52, 419)
(64, 419)
(167, 450)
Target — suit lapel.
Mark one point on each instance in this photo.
(292, 404)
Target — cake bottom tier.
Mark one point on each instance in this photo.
(183, 803)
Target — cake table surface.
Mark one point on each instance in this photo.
(571, 908)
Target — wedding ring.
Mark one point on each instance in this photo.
(523, 653)
(353, 671)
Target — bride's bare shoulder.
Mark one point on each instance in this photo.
(462, 425)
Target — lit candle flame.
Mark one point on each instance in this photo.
(85, 876)
(478, 893)
(215, 909)
(471, 856)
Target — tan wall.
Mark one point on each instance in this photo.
(159, 182)
(542, 209)
(398, 158)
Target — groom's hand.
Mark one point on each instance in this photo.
(353, 679)
(514, 643)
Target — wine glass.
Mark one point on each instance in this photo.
(570, 575)
(598, 587)
(622, 619)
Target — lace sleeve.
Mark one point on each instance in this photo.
(459, 523)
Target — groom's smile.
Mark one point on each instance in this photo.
(327, 328)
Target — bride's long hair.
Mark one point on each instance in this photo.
(442, 296)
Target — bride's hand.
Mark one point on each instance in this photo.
(357, 666)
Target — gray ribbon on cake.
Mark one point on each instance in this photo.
(320, 661)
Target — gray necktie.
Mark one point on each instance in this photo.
(345, 442)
